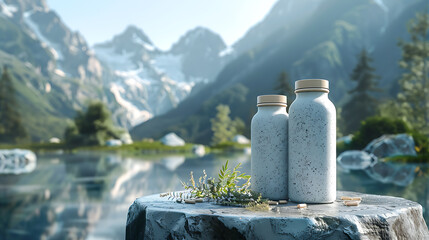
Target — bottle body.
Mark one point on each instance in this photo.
(269, 143)
(312, 148)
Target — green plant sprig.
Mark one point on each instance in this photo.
(223, 190)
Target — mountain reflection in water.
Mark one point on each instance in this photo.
(87, 195)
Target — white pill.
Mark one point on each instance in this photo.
(302, 205)
(189, 201)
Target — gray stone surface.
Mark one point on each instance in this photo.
(241, 139)
(392, 145)
(199, 150)
(173, 140)
(377, 217)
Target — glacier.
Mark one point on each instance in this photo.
(145, 89)
(149, 82)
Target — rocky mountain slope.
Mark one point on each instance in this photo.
(284, 16)
(66, 52)
(149, 82)
(128, 73)
(54, 70)
(323, 44)
(57, 73)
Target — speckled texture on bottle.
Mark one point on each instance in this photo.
(312, 148)
(269, 152)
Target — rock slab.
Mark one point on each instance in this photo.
(377, 217)
(392, 145)
(172, 140)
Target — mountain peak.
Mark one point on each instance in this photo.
(199, 31)
(132, 39)
(135, 33)
(199, 36)
(28, 5)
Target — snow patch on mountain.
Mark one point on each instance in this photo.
(143, 97)
(53, 47)
(149, 82)
(118, 61)
(7, 10)
(137, 73)
(227, 51)
(133, 113)
(381, 4)
(147, 46)
(385, 9)
(170, 65)
(60, 72)
(186, 88)
(145, 91)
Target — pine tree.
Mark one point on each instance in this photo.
(11, 129)
(414, 83)
(224, 129)
(283, 87)
(361, 104)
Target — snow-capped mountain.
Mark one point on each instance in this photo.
(305, 38)
(67, 52)
(55, 72)
(135, 79)
(69, 49)
(149, 82)
(37, 37)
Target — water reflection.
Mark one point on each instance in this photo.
(400, 184)
(401, 175)
(173, 162)
(17, 161)
(87, 195)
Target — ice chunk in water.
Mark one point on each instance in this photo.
(355, 160)
(17, 161)
(392, 145)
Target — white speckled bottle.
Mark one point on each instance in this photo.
(269, 147)
(312, 143)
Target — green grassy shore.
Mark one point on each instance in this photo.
(156, 147)
(135, 148)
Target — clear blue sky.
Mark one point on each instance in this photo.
(164, 21)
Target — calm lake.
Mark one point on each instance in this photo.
(87, 195)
